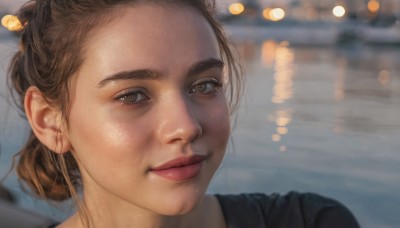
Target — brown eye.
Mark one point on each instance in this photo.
(133, 97)
(205, 87)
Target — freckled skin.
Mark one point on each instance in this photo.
(116, 143)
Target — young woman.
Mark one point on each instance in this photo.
(129, 103)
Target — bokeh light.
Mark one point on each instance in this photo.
(11, 22)
(275, 14)
(339, 11)
(266, 12)
(282, 130)
(276, 137)
(236, 8)
(282, 121)
(283, 87)
(373, 6)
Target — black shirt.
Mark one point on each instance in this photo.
(293, 210)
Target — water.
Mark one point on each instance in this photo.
(324, 120)
(320, 119)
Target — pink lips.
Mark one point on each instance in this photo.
(180, 169)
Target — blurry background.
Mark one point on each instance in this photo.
(321, 110)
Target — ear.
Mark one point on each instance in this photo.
(46, 121)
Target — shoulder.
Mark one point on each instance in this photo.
(290, 210)
(325, 212)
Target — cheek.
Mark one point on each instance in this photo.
(99, 137)
(217, 125)
(109, 151)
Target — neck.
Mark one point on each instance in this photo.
(207, 214)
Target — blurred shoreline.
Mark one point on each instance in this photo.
(315, 33)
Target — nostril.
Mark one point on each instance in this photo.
(181, 130)
(189, 133)
(182, 123)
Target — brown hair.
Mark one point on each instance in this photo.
(50, 52)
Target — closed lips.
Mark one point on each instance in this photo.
(180, 162)
(180, 169)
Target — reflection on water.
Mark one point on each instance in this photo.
(279, 57)
(283, 74)
(323, 120)
(384, 77)
(340, 78)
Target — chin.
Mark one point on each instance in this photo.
(179, 210)
(185, 208)
(181, 204)
(179, 198)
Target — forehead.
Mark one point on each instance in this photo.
(151, 36)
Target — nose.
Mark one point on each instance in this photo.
(180, 122)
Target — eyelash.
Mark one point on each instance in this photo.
(134, 92)
(215, 83)
(141, 95)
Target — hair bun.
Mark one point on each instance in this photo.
(42, 174)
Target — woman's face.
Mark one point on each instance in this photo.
(149, 121)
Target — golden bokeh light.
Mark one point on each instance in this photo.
(282, 130)
(268, 50)
(283, 118)
(11, 22)
(276, 137)
(266, 13)
(275, 14)
(283, 87)
(236, 8)
(339, 11)
(373, 6)
(282, 121)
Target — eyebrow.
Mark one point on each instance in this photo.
(204, 65)
(149, 74)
